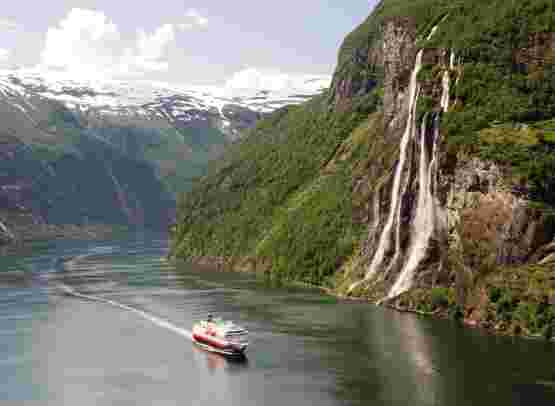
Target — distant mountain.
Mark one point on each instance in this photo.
(80, 151)
(230, 108)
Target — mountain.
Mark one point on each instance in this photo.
(423, 179)
(75, 151)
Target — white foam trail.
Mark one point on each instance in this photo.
(70, 265)
(6, 230)
(68, 290)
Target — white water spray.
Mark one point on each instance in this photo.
(424, 223)
(446, 88)
(385, 238)
(427, 207)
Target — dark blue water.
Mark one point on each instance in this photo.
(306, 349)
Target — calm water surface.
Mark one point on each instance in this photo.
(306, 349)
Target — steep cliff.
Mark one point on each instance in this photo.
(424, 179)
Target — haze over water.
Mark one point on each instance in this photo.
(305, 348)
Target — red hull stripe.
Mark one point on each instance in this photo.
(211, 341)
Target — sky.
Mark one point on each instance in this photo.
(176, 41)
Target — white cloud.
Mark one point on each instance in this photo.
(193, 19)
(151, 47)
(87, 42)
(8, 25)
(276, 81)
(4, 54)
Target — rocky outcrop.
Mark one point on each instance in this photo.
(480, 218)
(359, 71)
(485, 210)
(399, 52)
(537, 54)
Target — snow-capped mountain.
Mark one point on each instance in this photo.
(242, 100)
(76, 151)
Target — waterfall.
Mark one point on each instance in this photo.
(398, 220)
(424, 223)
(425, 217)
(396, 195)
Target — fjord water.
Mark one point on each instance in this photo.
(306, 348)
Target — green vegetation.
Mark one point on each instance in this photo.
(273, 198)
(512, 307)
(440, 297)
(284, 194)
(496, 84)
(179, 155)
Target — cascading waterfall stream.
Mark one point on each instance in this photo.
(385, 238)
(397, 255)
(397, 190)
(424, 223)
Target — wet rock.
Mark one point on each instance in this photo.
(544, 255)
(482, 206)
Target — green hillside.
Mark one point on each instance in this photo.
(295, 197)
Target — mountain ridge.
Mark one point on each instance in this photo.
(57, 129)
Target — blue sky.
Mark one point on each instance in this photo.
(177, 40)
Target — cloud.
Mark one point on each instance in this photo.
(4, 54)
(193, 19)
(87, 42)
(84, 41)
(276, 81)
(8, 25)
(151, 47)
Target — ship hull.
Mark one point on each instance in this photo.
(222, 351)
(211, 341)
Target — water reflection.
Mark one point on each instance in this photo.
(305, 349)
(417, 349)
(214, 362)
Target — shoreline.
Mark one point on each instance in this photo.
(25, 235)
(227, 265)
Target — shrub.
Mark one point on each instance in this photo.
(440, 297)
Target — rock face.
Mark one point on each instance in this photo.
(399, 53)
(359, 71)
(537, 54)
(407, 241)
(478, 215)
(483, 209)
